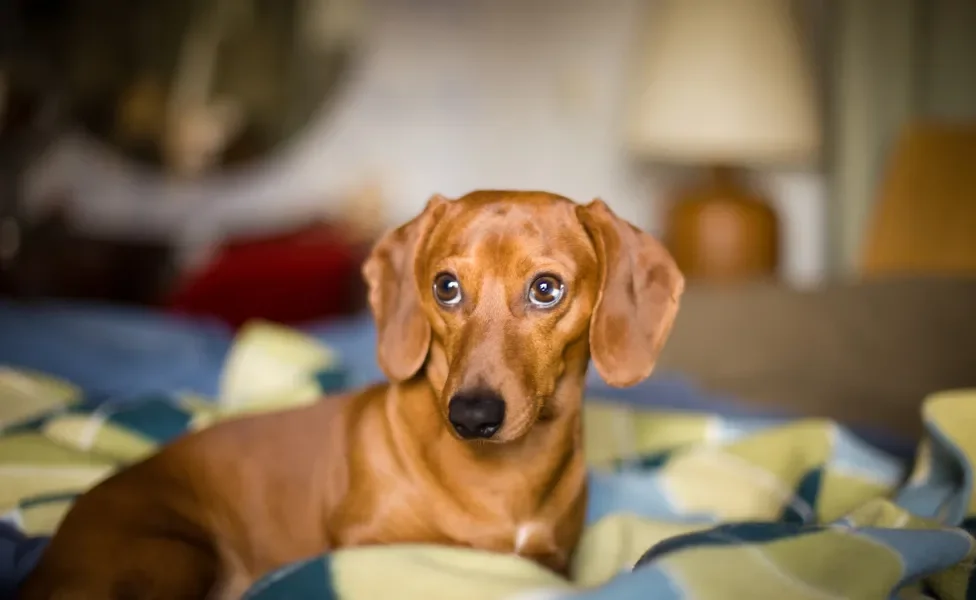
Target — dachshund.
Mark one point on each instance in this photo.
(489, 309)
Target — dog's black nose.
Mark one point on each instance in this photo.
(476, 414)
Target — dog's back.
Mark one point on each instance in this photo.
(213, 507)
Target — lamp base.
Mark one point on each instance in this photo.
(720, 230)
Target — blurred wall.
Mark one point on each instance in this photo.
(450, 95)
(893, 61)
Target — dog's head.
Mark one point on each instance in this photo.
(502, 298)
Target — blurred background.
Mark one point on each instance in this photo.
(811, 165)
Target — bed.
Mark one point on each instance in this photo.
(793, 443)
(159, 373)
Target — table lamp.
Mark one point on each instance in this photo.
(724, 85)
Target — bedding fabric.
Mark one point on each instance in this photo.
(112, 352)
(682, 504)
(117, 354)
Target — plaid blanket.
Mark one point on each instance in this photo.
(682, 505)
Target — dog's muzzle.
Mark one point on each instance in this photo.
(476, 414)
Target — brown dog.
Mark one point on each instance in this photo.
(488, 310)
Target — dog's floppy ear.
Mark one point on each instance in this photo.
(638, 298)
(402, 328)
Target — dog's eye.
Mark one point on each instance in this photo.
(546, 291)
(447, 289)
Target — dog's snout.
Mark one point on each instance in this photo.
(476, 414)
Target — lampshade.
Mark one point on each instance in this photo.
(724, 81)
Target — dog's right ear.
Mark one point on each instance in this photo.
(402, 328)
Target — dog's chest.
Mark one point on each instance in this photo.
(398, 519)
(533, 537)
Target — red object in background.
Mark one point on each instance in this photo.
(291, 279)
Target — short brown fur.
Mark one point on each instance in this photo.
(214, 511)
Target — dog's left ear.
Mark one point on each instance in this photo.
(638, 298)
(402, 327)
